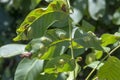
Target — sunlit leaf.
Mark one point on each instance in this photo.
(110, 70)
(39, 20)
(108, 39)
(98, 54)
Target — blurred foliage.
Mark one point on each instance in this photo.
(99, 16)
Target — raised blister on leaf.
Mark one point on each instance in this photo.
(31, 18)
(61, 61)
(39, 11)
(41, 19)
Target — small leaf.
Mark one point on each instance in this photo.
(29, 69)
(87, 26)
(94, 65)
(96, 8)
(110, 70)
(62, 63)
(87, 40)
(10, 50)
(108, 39)
(90, 58)
(98, 54)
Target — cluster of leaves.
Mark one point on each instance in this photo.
(57, 42)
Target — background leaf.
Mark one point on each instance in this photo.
(94, 64)
(34, 3)
(108, 39)
(116, 17)
(96, 8)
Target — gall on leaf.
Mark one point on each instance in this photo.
(26, 55)
(64, 8)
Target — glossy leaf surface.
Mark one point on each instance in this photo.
(11, 50)
(29, 69)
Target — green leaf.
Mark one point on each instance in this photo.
(10, 50)
(39, 20)
(90, 58)
(87, 26)
(96, 8)
(53, 44)
(116, 17)
(98, 54)
(110, 70)
(87, 40)
(29, 69)
(62, 63)
(34, 3)
(56, 50)
(108, 39)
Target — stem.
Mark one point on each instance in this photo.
(71, 39)
(71, 43)
(114, 49)
(102, 61)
